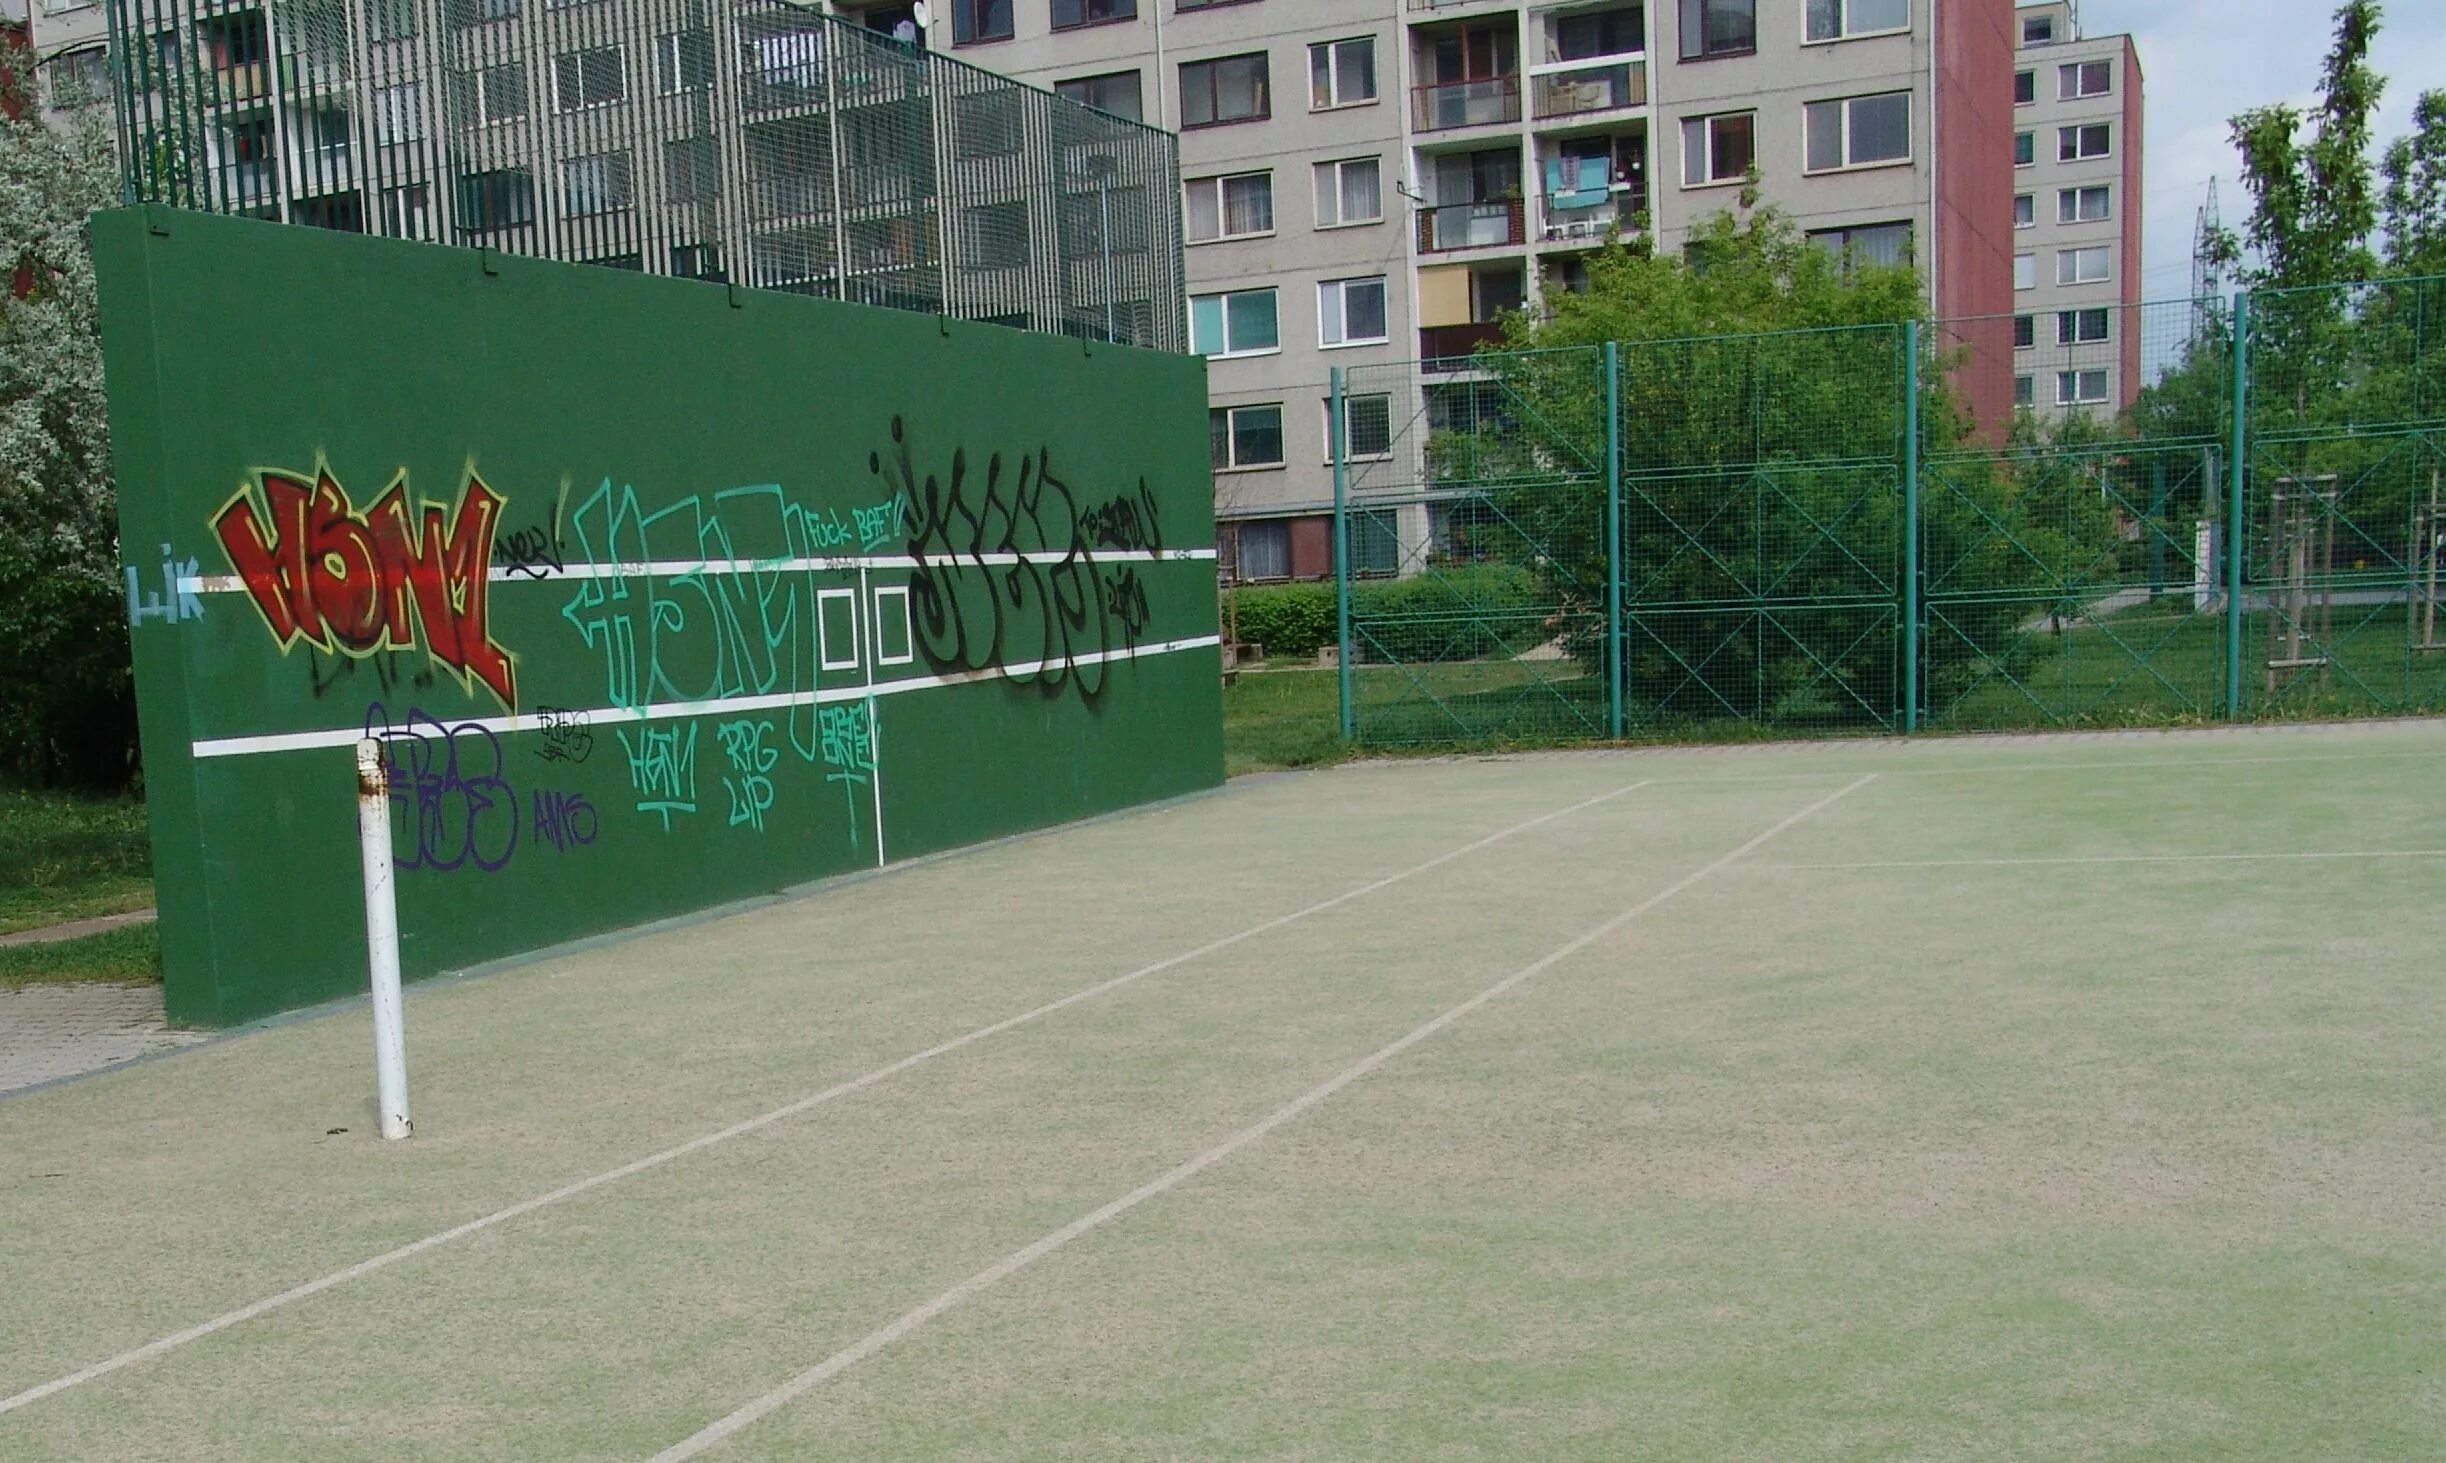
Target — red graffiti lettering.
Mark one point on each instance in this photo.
(360, 583)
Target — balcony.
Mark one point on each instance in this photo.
(1598, 86)
(1575, 219)
(1488, 225)
(1444, 348)
(1439, 107)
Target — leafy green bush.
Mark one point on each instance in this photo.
(1466, 612)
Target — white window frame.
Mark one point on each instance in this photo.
(670, 63)
(1843, 30)
(1706, 121)
(1223, 233)
(2032, 100)
(2071, 326)
(2032, 134)
(2076, 195)
(480, 92)
(2019, 320)
(1844, 106)
(2068, 79)
(617, 179)
(1332, 52)
(560, 104)
(2025, 392)
(1339, 291)
(2077, 131)
(1347, 398)
(1330, 174)
(2079, 393)
(2067, 265)
(399, 113)
(2025, 272)
(1226, 297)
(1231, 437)
(2025, 218)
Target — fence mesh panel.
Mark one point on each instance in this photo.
(2039, 520)
(758, 142)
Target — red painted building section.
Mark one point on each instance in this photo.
(2129, 264)
(1974, 199)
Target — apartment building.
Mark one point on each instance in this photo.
(2077, 194)
(1369, 182)
(70, 40)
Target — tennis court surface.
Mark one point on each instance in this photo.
(2052, 1097)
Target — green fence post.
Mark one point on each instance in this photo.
(1615, 668)
(1341, 554)
(1910, 527)
(2235, 530)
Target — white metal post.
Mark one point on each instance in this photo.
(382, 937)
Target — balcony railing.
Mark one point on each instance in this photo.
(1449, 347)
(1601, 86)
(1588, 222)
(1440, 106)
(1471, 225)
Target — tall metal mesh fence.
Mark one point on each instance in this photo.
(756, 142)
(2044, 520)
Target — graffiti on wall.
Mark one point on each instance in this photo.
(1007, 574)
(453, 805)
(362, 582)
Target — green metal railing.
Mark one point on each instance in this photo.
(2128, 515)
(756, 142)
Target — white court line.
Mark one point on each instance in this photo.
(343, 736)
(228, 1319)
(2113, 858)
(1018, 1260)
(800, 564)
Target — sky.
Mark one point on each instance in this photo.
(2205, 60)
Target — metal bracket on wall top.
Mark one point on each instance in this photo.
(488, 258)
(738, 295)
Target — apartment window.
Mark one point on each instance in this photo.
(1350, 311)
(407, 213)
(1859, 132)
(2025, 88)
(2025, 391)
(1116, 92)
(2081, 266)
(493, 95)
(2088, 140)
(2025, 271)
(589, 78)
(390, 20)
(1232, 89)
(1246, 436)
(690, 174)
(695, 261)
(995, 236)
(463, 13)
(1264, 549)
(2025, 210)
(601, 183)
(1230, 206)
(2084, 79)
(980, 20)
(501, 199)
(1833, 20)
(2025, 149)
(1718, 28)
(2080, 327)
(989, 123)
(1067, 13)
(1348, 191)
(1718, 149)
(1105, 222)
(683, 61)
(2080, 388)
(2084, 205)
(1367, 424)
(1867, 243)
(2037, 30)
(2025, 332)
(1604, 33)
(1240, 323)
(1342, 73)
(399, 112)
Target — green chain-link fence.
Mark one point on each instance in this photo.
(2016, 522)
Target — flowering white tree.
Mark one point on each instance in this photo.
(63, 637)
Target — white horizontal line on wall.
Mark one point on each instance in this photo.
(678, 568)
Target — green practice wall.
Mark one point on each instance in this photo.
(660, 594)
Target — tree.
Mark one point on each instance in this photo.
(2413, 203)
(1762, 437)
(66, 699)
(2313, 203)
